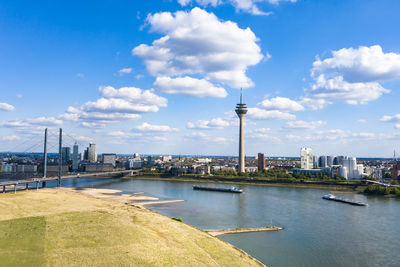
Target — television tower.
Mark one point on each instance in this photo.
(241, 111)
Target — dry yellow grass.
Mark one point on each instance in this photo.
(64, 228)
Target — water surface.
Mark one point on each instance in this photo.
(317, 232)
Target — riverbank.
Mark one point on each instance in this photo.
(64, 227)
(346, 187)
(216, 232)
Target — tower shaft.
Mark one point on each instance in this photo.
(241, 111)
(241, 146)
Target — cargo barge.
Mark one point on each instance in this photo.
(226, 190)
(334, 198)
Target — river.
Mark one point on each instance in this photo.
(316, 232)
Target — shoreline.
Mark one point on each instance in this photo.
(354, 188)
(218, 232)
(134, 235)
(113, 196)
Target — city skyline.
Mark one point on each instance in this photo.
(313, 76)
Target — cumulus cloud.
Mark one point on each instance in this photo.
(261, 114)
(33, 125)
(394, 118)
(327, 135)
(115, 105)
(314, 103)
(281, 103)
(216, 123)
(146, 127)
(38, 121)
(303, 125)
(198, 43)
(351, 93)
(203, 137)
(354, 75)
(6, 107)
(189, 86)
(363, 64)
(124, 71)
(248, 6)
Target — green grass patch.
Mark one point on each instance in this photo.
(22, 242)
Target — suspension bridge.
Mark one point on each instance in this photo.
(51, 141)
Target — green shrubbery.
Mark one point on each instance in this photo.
(382, 190)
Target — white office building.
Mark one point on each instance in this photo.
(351, 170)
(306, 156)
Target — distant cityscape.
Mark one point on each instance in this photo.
(308, 165)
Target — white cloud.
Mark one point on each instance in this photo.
(202, 137)
(80, 75)
(261, 114)
(303, 125)
(92, 125)
(362, 121)
(397, 126)
(116, 133)
(281, 103)
(365, 135)
(314, 103)
(146, 127)
(198, 43)
(134, 94)
(263, 130)
(124, 71)
(19, 95)
(327, 135)
(364, 64)
(115, 105)
(353, 75)
(31, 125)
(189, 86)
(394, 118)
(352, 93)
(216, 123)
(10, 138)
(6, 107)
(248, 6)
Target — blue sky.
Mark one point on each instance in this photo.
(165, 76)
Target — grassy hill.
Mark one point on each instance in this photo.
(59, 228)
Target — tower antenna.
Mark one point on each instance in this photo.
(241, 97)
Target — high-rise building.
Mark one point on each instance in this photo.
(306, 156)
(315, 162)
(86, 154)
(322, 162)
(75, 160)
(241, 111)
(66, 154)
(149, 161)
(261, 162)
(329, 161)
(108, 158)
(92, 156)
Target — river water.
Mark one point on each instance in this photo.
(317, 232)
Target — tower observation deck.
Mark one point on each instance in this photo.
(241, 111)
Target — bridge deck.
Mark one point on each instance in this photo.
(38, 180)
